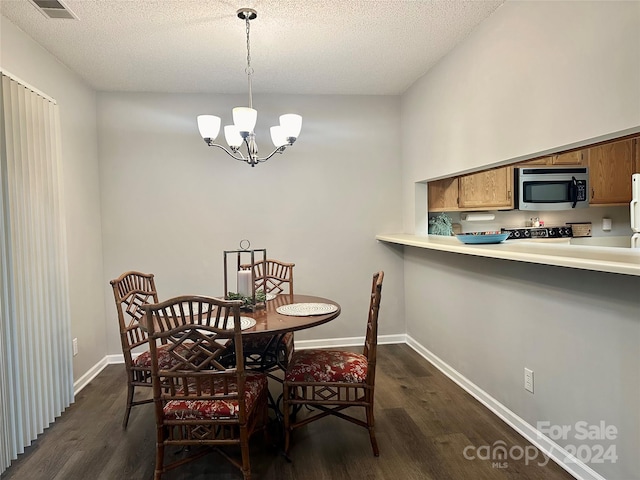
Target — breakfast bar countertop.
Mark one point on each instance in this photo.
(625, 261)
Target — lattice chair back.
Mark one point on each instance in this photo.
(266, 353)
(371, 336)
(131, 291)
(272, 276)
(198, 400)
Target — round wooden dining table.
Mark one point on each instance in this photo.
(270, 322)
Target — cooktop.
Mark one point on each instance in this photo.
(538, 232)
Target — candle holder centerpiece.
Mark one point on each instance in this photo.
(244, 266)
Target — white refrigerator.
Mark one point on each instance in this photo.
(635, 210)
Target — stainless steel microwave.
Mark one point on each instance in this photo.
(542, 188)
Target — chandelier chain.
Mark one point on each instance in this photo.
(249, 70)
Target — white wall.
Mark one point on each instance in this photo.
(532, 77)
(171, 205)
(28, 61)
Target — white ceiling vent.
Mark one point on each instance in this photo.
(54, 9)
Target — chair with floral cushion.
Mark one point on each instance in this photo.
(131, 291)
(330, 381)
(269, 353)
(198, 400)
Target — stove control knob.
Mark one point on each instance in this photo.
(527, 233)
(554, 232)
(516, 234)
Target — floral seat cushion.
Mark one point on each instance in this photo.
(210, 409)
(327, 366)
(165, 360)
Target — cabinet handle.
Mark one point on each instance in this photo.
(593, 193)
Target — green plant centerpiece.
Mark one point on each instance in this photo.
(247, 301)
(441, 225)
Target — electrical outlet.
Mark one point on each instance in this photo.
(75, 347)
(528, 380)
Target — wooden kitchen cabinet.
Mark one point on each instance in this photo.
(490, 189)
(535, 162)
(610, 168)
(577, 157)
(443, 195)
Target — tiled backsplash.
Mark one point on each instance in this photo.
(619, 216)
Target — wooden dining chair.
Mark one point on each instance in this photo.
(131, 291)
(330, 381)
(198, 400)
(269, 353)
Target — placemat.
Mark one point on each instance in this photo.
(306, 309)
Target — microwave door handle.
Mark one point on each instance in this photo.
(573, 192)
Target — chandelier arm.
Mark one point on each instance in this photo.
(277, 150)
(249, 159)
(229, 152)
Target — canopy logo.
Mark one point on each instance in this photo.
(498, 454)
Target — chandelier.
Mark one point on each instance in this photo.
(244, 120)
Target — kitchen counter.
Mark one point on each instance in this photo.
(624, 261)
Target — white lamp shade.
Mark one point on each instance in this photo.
(277, 136)
(232, 135)
(245, 118)
(209, 126)
(291, 124)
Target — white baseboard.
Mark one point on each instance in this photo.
(119, 358)
(551, 449)
(93, 372)
(578, 469)
(347, 342)
(85, 379)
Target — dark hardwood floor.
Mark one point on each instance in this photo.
(424, 423)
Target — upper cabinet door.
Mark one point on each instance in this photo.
(577, 157)
(610, 168)
(443, 195)
(571, 158)
(491, 189)
(535, 161)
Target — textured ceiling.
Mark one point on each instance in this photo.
(304, 46)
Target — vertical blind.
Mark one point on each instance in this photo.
(36, 374)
